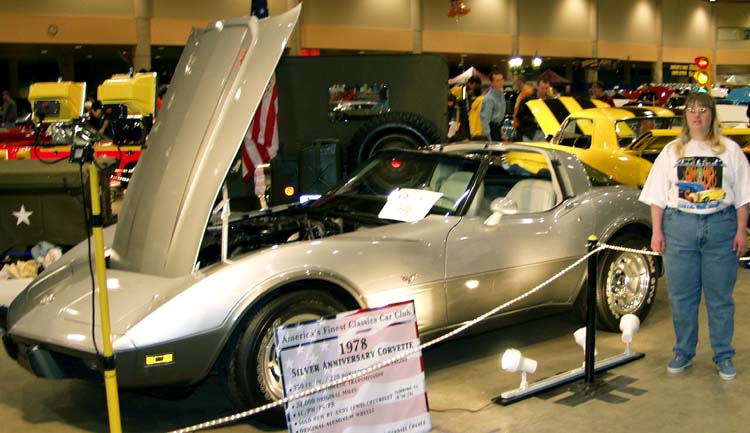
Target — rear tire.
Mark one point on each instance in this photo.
(626, 283)
(253, 375)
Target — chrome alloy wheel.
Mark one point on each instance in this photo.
(627, 283)
(269, 367)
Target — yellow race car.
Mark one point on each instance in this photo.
(622, 142)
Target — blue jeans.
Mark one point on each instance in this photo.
(699, 255)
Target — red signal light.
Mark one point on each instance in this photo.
(396, 163)
(702, 62)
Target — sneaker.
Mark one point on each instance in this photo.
(726, 369)
(679, 364)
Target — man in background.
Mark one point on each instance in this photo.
(492, 113)
(528, 128)
(10, 109)
(597, 91)
(475, 99)
(524, 90)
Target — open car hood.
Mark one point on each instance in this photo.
(550, 113)
(217, 86)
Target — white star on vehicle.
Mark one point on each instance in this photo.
(23, 216)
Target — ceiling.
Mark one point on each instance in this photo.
(40, 53)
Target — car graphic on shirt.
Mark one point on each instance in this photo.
(686, 189)
(707, 196)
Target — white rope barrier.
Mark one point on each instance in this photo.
(241, 415)
(646, 252)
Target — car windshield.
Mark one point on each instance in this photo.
(366, 193)
(628, 130)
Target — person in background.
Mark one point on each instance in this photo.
(10, 109)
(475, 99)
(528, 128)
(524, 90)
(597, 91)
(698, 190)
(492, 112)
(88, 104)
(97, 120)
(160, 96)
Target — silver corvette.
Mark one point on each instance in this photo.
(459, 229)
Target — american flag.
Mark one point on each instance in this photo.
(261, 142)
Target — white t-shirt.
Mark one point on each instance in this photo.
(699, 181)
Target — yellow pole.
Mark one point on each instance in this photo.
(110, 375)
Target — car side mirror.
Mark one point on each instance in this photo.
(499, 207)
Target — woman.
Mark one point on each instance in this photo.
(698, 190)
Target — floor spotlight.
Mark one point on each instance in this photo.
(513, 361)
(629, 325)
(580, 337)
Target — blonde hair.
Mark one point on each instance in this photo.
(714, 133)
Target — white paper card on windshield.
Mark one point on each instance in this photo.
(407, 204)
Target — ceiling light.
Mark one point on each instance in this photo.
(537, 61)
(515, 62)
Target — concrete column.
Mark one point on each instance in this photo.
(416, 25)
(514, 41)
(594, 29)
(142, 55)
(658, 71)
(67, 68)
(295, 40)
(514, 26)
(714, 32)
(626, 68)
(592, 75)
(13, 77)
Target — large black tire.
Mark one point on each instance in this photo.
(625, 283)
(253, 376)
(395, 130)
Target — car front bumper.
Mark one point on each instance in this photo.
(172, 364)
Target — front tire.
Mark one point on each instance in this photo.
(253, 375)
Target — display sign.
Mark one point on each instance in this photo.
(388, 400)
(680, 70)
(408, 204)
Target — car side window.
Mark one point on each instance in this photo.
(529, 185)
(576, 133)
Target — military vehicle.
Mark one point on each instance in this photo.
(41, 196)
(336, 111)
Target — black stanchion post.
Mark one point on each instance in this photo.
(591, 312)
(589, 387)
